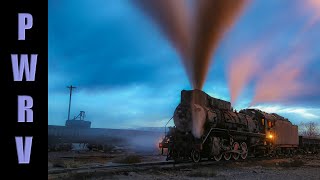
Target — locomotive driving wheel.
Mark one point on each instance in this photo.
(195, 156)
(236, 147)
(244, 149)
(227, 156)
(217, 157)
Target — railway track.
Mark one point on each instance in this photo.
(106, 167)
(138, 166)
(117, 168)
(146, 165)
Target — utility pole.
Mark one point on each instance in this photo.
(70, 87)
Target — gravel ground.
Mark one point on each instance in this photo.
(273, 169)
(289, 168)
(239, 173)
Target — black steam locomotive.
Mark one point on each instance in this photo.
(206, 127)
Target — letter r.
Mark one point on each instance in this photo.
(25, 103)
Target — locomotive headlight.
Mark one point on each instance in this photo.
(270, 136)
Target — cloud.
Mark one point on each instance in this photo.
(129, 75)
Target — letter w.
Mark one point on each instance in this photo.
(30, 71)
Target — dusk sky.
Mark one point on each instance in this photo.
(129, 75)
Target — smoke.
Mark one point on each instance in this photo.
(241, 70)
(172, 18)
(314, 6)
(212, 20)
(279, 84)
(282, 82)
(195, 40)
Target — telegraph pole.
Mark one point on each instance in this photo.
(70, 87)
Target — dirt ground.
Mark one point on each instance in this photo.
(301, 167)
(74, 159)
(285, 168)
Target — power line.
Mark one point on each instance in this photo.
(71, 88)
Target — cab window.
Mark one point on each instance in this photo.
(269, 124)
(262, 122)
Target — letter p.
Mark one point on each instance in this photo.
(25, 22)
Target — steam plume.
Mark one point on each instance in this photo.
(280, 83)
(277, 84)
(241, 70)
(314, 6)
(244, 67)
(197, 40)
(171, 16)
(212, 19)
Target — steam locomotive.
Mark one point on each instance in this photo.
(207, 127)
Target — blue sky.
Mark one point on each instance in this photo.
(128, 74)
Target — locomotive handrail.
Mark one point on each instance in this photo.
(210, 132)
(165, 127)
(257, 134)
(207, 136)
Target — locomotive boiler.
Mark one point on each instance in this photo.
(198, 112)
(207, 127)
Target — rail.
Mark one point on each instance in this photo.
(123, 167)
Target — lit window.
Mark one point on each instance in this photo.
(269, 123)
